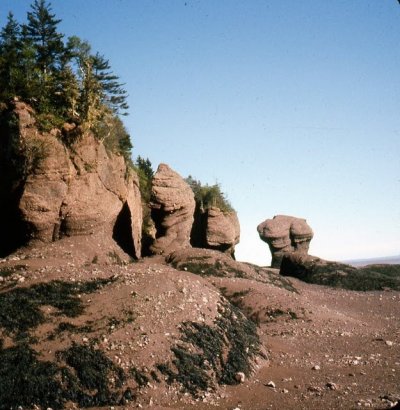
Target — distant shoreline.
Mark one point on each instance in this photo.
(389, 260)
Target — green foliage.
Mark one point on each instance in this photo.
(63, 80)
(207, 196)
(116, 139)
(41, 32)
(10, 54)
(145, 172)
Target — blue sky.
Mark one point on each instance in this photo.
(291, 105)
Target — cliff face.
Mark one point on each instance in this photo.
(49, 190)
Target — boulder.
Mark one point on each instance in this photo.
(222, 230)
(172, 207)
(285, 234)
(67, 190)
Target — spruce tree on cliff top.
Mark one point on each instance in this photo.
(62, 80)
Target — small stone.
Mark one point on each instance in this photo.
(316, 367)
(332, 386)
(389, 343)
(271, 384)
(314, 389)
(240, 377)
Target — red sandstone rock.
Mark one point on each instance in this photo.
(285, 234)
(76, 190)
(172, 203)
(222, 231)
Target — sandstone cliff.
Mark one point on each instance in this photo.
(50, 189)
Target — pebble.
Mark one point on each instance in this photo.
(271, 384)
(240, 377)
(316, 367)
(332, 386)
(389, 343)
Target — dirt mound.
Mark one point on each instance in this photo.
(114, 333)
(84, 326)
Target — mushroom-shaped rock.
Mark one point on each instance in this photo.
(285, 234)
(172, 208)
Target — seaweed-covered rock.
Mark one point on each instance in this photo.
(285, 234)
(172, 208)
(322, 272)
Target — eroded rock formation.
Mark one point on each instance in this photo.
(172, 208)
(285, 234)
(223, 230)
(49, 189)
(216, 229)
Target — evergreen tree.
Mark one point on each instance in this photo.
(10, 56)
(113, 94)
(62, 82)
(48, 42)
(144, 165)
(41, 33)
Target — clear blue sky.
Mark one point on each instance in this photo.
(291, 105)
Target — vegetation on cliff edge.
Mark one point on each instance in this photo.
(61, 78)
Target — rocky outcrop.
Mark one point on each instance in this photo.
(66, 190)
(340, 275)
(216, 229)
(223, 230)
(172, 208)
(285, 234)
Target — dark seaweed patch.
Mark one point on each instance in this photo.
(20, 308)
(26, 381)
(140, 377)
(207, 353)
